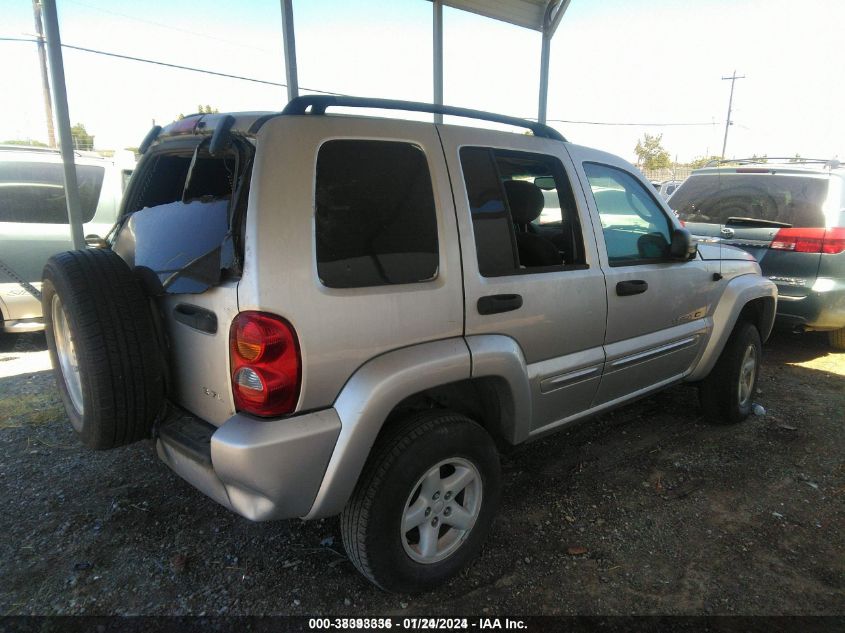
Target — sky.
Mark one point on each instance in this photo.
(652, 62)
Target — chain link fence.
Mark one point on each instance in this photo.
(678, 172)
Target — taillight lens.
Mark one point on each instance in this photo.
(266, 366)
(810, 240)
(834, 241)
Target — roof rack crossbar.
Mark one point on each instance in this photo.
(319, 103)
(833, 163)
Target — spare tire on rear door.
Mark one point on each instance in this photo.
(103, 347)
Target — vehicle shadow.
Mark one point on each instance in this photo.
(31, 342)
(789, 347)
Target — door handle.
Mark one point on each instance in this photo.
(494, 304)
(632, 287)
(196, 317)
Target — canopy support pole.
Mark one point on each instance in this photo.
(290, 49)
(437, 6)
(57, 79)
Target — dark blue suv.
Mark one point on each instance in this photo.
(788, 213)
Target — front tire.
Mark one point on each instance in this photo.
(727, 394)
(425, 502)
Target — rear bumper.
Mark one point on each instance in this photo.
(17, 304)
(260, 469)
(822, 309)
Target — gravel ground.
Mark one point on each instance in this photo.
(643, 511)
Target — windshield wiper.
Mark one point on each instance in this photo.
(756, 222)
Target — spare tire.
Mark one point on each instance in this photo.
(103, 346)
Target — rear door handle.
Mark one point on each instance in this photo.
(494, 304)
(632, 287)
(196, 317)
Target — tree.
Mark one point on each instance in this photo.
(796, 158)
(28, 141)
(81, 138)
(201, 109)
(650, 152)
(701, 161)
(760, 159)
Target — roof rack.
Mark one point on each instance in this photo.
(830, 163)
(319, 104)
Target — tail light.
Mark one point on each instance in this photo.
(810, 240)
(265, 362)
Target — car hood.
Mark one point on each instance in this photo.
(716, 251)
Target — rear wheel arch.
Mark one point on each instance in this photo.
(433, 375)
(487, 400)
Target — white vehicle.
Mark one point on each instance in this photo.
(667, 188)
(34, 223)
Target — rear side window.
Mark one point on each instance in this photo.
(375, 214)
(716, 198)
(35, 192)
(524, 217)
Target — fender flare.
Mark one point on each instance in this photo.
(737, 294)
(379, 385)
(367, 399)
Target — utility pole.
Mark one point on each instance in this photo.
(45, 82)
(733, 79)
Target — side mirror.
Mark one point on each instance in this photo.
(546, 183)
(683, 247)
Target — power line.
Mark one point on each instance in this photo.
(281, 85)
(178, 66)
(170, 27)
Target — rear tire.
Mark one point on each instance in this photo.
(103, 347)
(727, 394)
(836, 338)
(437, 472)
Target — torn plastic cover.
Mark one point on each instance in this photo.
(181, 248)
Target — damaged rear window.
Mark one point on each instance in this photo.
(177, 231)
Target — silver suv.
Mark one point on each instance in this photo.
(315, 315)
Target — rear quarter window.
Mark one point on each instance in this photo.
(34, 192)
(375, 215)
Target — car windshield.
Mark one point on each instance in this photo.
(714, 198)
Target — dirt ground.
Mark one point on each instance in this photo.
(647, 510)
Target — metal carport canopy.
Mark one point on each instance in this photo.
(539, 15)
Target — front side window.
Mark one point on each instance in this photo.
(523, 212)
(375, 215)
(635, 228)
(35, 192)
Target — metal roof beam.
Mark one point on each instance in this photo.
(530, 14)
